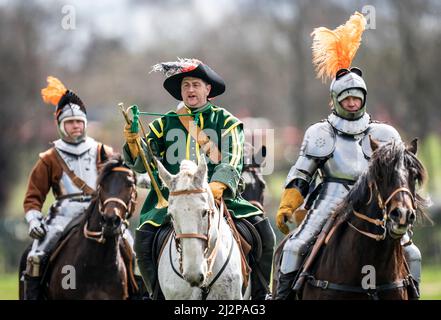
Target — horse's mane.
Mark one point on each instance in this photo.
(382, 170)
(113, 162)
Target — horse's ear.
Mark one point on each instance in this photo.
(165, 176)
(259, 155)
(374, 143)
(201, 173)
(413, 147)
(263, 151)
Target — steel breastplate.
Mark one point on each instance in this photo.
(82, 161)
(348, 160)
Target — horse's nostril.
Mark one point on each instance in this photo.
(395, 214)
(411, 215)
(201, 277)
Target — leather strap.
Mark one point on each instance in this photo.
(78, 182)
(185, 192)
(207, 146)
(246, 269)
(323, 284)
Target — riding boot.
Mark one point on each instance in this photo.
(284, 286)
(144, 238)
(261, 268)
(32, 289)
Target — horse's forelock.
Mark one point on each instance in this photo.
(385, 162)
(109, 165)
(188, 167)
(186, 177)
(383, 170)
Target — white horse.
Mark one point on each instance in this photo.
(201, 260)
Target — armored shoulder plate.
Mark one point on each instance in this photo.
(380, 132)
(319, 140)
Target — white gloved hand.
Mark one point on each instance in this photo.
(36, 226)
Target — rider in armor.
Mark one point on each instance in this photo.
(194, 83)
(338, 149)
(70, 169)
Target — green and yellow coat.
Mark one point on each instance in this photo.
(170, 141)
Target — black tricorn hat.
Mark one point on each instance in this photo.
(189, 68)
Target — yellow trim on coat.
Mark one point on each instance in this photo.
(201, 120)
(149, 222)
(228, 120)
(161, 124)
(234, 125)
(234, 153)
(239, 149)
(152, 127)
(187, 152)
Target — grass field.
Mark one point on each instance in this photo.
(8, 287)
(430, 288)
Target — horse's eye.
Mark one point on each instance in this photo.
(204, 212)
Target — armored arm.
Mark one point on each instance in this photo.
(318, 145)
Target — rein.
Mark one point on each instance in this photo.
(205, 237)
(98, 236)
(373, 293)
(383, 206)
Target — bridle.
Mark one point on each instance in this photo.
(385, 213)
(204, 237)
(373, 293)
(210, 212)
(128, 207)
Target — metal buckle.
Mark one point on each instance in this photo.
(323, 284)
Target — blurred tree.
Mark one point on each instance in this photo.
(19, 81)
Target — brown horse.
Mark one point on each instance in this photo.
(358, 254)
(90, 265)
(364, 245)
(252, 176)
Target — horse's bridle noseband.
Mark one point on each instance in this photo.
(205, 237)
(385, 214)
(98, 236)
(192, 235)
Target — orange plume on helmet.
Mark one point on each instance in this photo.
(54, 91)
(333, 50)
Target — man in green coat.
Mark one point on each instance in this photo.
(194, 83)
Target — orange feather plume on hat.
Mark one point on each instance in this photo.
(333, 50)
(54, 91)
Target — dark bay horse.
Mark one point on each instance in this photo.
(90, 264)
(252, 176)
(362, 257)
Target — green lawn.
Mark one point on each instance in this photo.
(431, 283)
(430, 288)
(8, 286)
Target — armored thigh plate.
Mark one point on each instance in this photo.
(413, 257)
(304, 236)
(66, 212)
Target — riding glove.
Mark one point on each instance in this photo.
(132, 138)
(291, 200)
(217, 188)
(36, 226)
